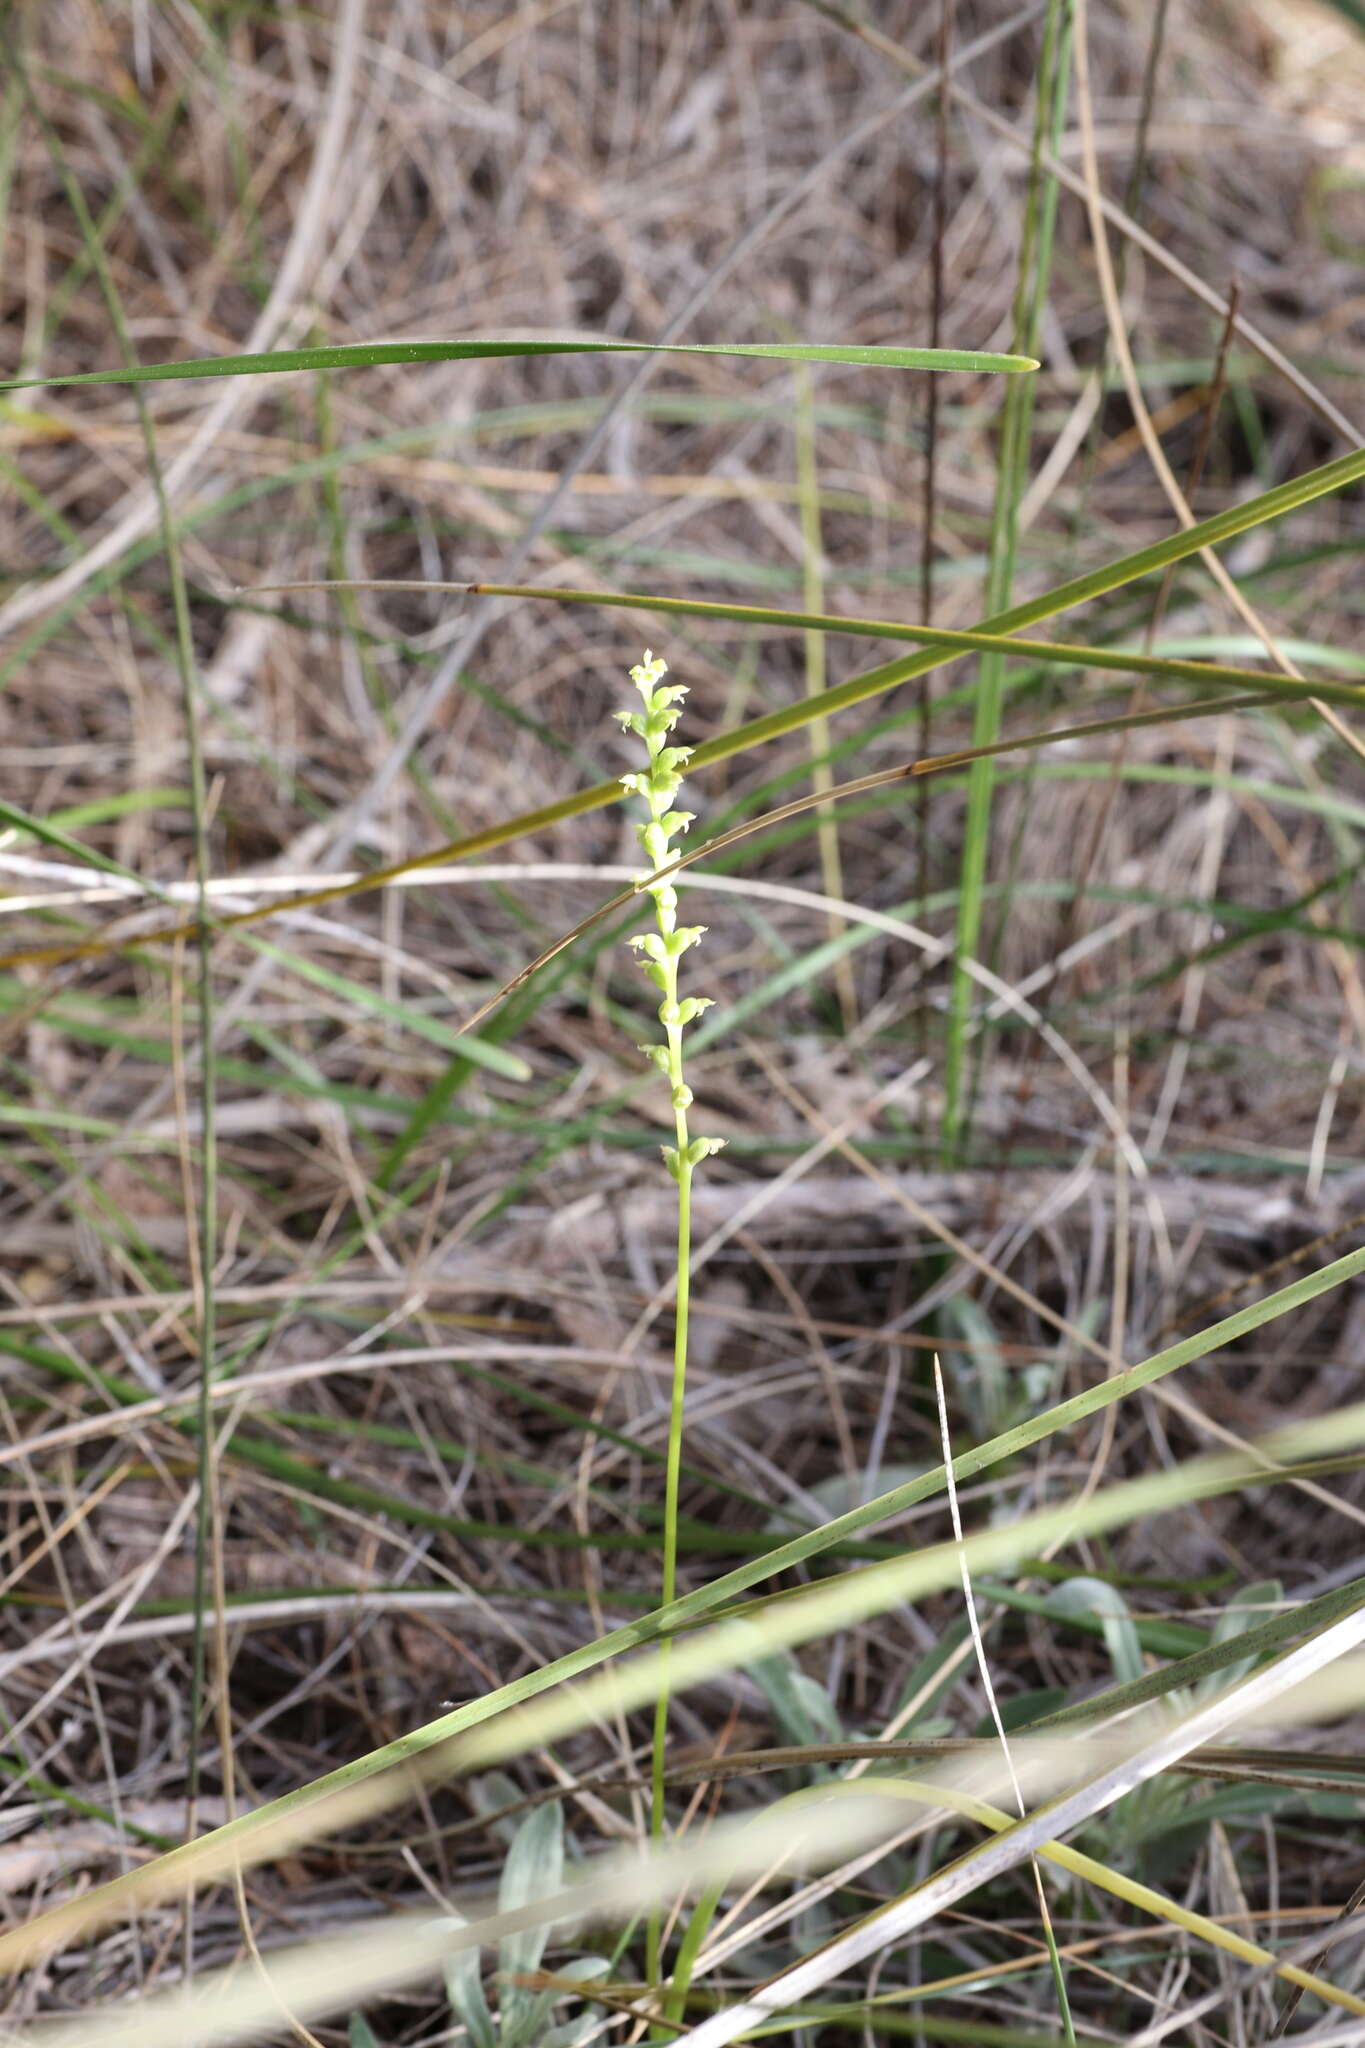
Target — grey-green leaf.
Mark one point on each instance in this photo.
(802, 1710)
(1243, 1611)
(465, 1995)
(534, 1870)
(1095, 1596)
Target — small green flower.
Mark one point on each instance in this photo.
(661, 949)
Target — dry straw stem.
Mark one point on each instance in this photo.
(733, 261)
(313, 220)
(873, 682)
(836, 792)
(625, 157)
(807, 1830)
(1115, 215)
(1263, 1694)
(831, 794)
(1342, 957)
(988, 1687)
(512, 1722)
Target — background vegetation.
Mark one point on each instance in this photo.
(337, 1325)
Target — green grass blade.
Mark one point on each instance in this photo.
(49, 833)
(372, 354)
(1174, 667)
(207, 1183)
(853, 1596)
(875, 682)
(1011, 481)
(480, 1052)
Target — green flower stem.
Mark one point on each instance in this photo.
(653, 1934)
(661, 951)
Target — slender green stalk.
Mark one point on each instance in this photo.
(672, 1476)
(661, 951)
(813, 597)
(1034, 265)
(207, 1189)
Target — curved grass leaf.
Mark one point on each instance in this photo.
(1062, 653)
(371, 354)
(460, 1737)
(1236, 519)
